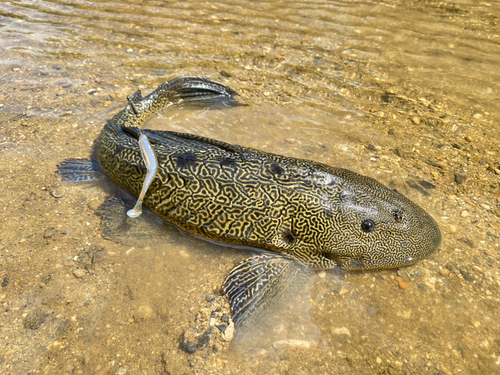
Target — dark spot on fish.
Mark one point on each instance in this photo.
(332, 182)
(288, 237)
(185, 160)
(398, 216)
(228, 162)
(276, 170)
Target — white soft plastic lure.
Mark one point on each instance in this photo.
(149, 157)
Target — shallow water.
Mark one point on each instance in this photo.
(403, 91)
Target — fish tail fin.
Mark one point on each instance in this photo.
(192, 90)
(196, 90)
(80, 170)
(258, 283)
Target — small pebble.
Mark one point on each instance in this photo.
(189, 340)
(49, 233)
(444, 272)
(466, 275)
(452, 228)
(79, 273)
(210, 297)
(468, 138)
(415, 120)
(94, 204)
(343, 290)
(228, 333)
(341, 331)
(450, 267)
(459, 178)
(58, 193)
(402, 284)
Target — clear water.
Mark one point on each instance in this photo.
(397, 90)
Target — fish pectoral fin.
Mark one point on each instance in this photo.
(118, 227)
(258, 283)
(80, 170)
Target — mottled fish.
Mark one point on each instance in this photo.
(300, 212)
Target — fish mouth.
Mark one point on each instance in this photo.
(374, 264)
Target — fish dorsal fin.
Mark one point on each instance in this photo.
(258, 283)
(163, 137)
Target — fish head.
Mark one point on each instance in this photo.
(374, 227)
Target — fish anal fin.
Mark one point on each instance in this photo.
(256, 284)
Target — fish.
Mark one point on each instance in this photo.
(298, 214)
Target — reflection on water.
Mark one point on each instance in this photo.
(406, 92)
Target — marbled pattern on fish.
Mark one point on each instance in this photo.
(310, 213)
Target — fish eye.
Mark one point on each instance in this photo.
(367, 226)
